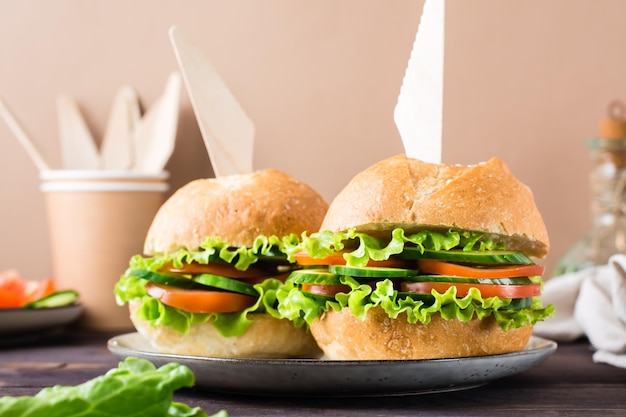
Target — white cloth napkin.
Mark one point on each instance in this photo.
(591, 303)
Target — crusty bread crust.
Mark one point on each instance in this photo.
(414, 195)
(237, 208)
(267, 337)
(342, 336)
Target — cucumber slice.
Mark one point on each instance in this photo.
(314, 276)
(470, 257)
(427, 299)
(228, 284)
(197, 282)
(372, 271)
(498, 281)
(56, 299)
(519, 304)
(274, 256)
(165, 279)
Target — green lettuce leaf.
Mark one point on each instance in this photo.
(136, 388)
(361, 247)
(154, 311)
(297, 306)
(216, 249)
(227, 324)
(301, 307)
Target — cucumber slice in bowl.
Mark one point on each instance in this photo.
(56, 299)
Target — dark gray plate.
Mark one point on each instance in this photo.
(19, 325)
(318, 377)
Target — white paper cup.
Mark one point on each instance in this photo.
(97, 221)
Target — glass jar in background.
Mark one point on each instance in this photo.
(607, 233)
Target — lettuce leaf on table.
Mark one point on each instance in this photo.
(135, 388)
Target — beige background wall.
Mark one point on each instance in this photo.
(526, 80)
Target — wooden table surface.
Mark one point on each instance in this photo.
(567, 384)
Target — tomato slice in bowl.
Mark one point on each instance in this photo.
(200, 301)
(36, 290)
(12, 291)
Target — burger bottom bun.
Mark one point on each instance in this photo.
(342, 336)
(267, 337)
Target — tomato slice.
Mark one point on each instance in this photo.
(431, 266)
(325, 289)
(216, 268)
(199, 301)
(304, 259)
(486, 290)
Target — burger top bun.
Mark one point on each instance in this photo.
(415, 195)
(236, 208)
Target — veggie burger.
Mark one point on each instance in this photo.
(215, 255)
(416, 260)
